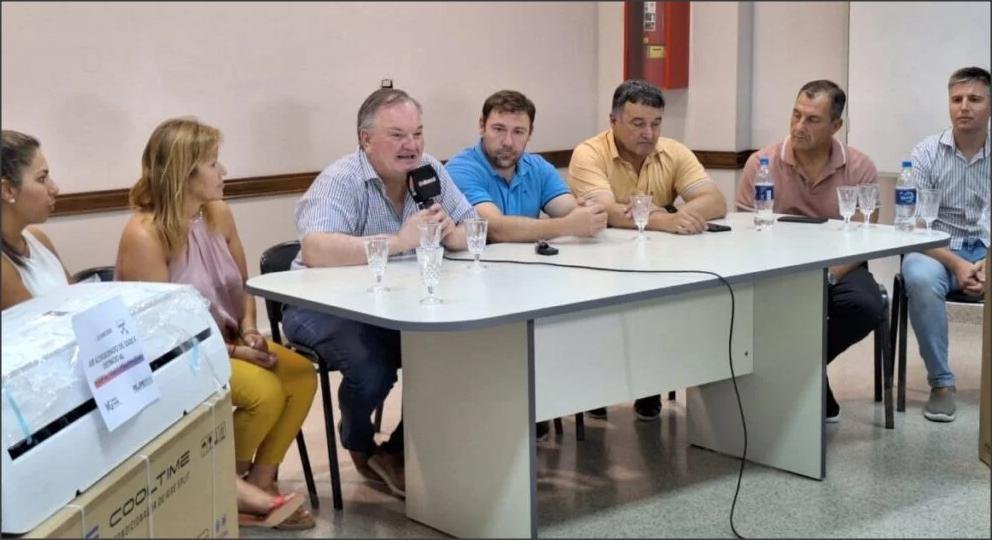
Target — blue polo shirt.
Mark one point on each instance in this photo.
(535, 183)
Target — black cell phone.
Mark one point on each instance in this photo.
(715, 227)
(802, 219)
(544, 248)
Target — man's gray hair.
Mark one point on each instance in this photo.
(383, 97)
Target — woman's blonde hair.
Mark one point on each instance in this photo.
(170, 158)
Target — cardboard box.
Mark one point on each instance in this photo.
(56, 445)
(183, 480)
(117, 505)
(66, 523)
(225, 514)
(985, 416)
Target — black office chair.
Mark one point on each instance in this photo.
(900, 310)
(276, 259)
(580, 427)
(883, 360)
(105, 273)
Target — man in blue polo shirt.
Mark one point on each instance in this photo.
(510, 187)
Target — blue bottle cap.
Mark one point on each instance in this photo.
(907, 163)
(763, 160)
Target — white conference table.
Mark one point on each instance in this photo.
(516, 344)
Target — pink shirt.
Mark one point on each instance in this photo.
(207, 265)
(794, 192)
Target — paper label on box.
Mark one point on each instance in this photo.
(113, 360)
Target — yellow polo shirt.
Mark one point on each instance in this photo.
(671, 170)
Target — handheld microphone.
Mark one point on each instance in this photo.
(423, 185)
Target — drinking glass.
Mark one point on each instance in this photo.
(377, 253)
(430, 234)
(928, 207)
(847, 200)
(640, 206)
(867, 200)
(475, 233)
(429, 259)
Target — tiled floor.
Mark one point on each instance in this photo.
(633, 479)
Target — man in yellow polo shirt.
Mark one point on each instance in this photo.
(632, 158)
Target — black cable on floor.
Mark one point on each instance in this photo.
(730, 341)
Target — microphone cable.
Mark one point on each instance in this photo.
(730, 340)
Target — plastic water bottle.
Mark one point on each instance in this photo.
(764, 196)
(906, 198)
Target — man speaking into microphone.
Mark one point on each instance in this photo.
(388, 186)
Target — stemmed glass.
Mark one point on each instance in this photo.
(847, 200)
(867, 200)
(928, 207)
(429, 259)
(430, 234)
(640, 206)
(377, 253)
(475, 233)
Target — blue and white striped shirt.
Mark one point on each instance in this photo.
(964, 186)
(348, 197)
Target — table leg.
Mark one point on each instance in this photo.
(468, 405)
(784, 398)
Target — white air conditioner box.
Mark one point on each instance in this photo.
(55, 444)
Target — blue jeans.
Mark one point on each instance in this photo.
(367, 356)
(927, 282)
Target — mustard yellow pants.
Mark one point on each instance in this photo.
(270, 404)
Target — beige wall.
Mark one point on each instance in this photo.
(283, 81)
(899, 76)
(794, 43)
(717, 106)
(609, 48)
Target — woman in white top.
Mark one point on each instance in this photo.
(30, 265)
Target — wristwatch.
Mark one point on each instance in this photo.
(831, 278)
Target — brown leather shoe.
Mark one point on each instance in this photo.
(361, 461)
(389, 467)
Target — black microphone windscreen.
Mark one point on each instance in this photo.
(424, 184)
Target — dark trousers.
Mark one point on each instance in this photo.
(367, 356)
(854, 309)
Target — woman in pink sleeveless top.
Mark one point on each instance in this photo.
(183, 232)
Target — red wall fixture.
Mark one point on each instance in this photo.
(656, 43)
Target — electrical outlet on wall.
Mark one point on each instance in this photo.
(387, 82)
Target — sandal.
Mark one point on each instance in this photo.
(283, 506)
(300, 520)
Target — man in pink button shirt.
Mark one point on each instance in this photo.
(807, 167)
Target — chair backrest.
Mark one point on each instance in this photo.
(105, 273)
(277, 258)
